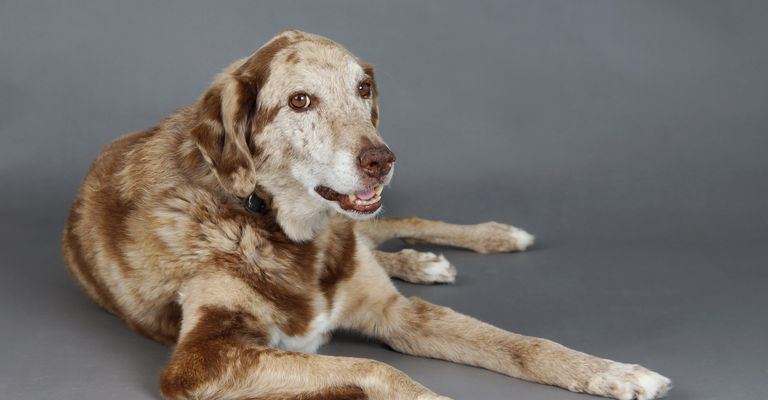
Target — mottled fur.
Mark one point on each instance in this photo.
(159, 236)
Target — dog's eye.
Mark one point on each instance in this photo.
(364, 89)
(300, 101)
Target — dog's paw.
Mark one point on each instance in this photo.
(629, 382)
(493, 237)
(425, 267)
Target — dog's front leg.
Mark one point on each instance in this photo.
(416, 266)
(223, 353)
(488, 237)
(413, 326)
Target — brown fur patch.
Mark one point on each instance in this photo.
(207, 350)
(256, 68)
(421, 313)
(113, 209)
(226, 149)
(292, 57)
(339, 260)
(291, 292)
(263, 118)
(294, 298)
(375, 114)
(209, 132)
(78, 262)
(369, 70)
(168, 324)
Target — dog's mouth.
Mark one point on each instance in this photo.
(364, 202)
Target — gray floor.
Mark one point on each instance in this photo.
(630, 137)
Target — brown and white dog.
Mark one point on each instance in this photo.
(236, 231)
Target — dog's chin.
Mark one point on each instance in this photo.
(360, 205)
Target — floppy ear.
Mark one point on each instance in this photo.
(223, 133)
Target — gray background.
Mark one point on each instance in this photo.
(630, 137)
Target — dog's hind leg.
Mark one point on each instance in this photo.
(414, 326)
(416, 266)
(488, 237)
(223, 353)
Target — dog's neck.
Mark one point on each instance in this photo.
(301, 216)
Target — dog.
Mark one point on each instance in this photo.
(239, 231)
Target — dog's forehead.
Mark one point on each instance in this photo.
(320, 66)
(309, 59)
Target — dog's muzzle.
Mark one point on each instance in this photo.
(365, 201)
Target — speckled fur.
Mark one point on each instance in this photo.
(158, 235)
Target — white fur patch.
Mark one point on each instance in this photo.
(628, 382)
(438, 268)
(346, 175)
(522, 238)
(317, 334)
(493, 237)
(309, 343)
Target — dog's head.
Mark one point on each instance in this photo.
(300, 115)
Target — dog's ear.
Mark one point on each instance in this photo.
(223, 132)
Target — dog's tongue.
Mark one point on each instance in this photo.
(366, 194)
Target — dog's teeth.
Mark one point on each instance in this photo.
(379, 189)
(352, 197)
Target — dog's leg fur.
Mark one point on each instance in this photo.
(416, 266)
(414, 326)
(488, 237)
(223, 353)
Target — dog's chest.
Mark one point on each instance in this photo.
(316, 335)
(312, 304)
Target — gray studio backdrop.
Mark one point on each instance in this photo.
(630, 136)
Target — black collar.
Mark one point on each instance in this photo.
(255, 204)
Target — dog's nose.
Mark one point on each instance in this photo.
(376, 161)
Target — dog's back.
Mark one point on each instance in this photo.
(108, 220)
